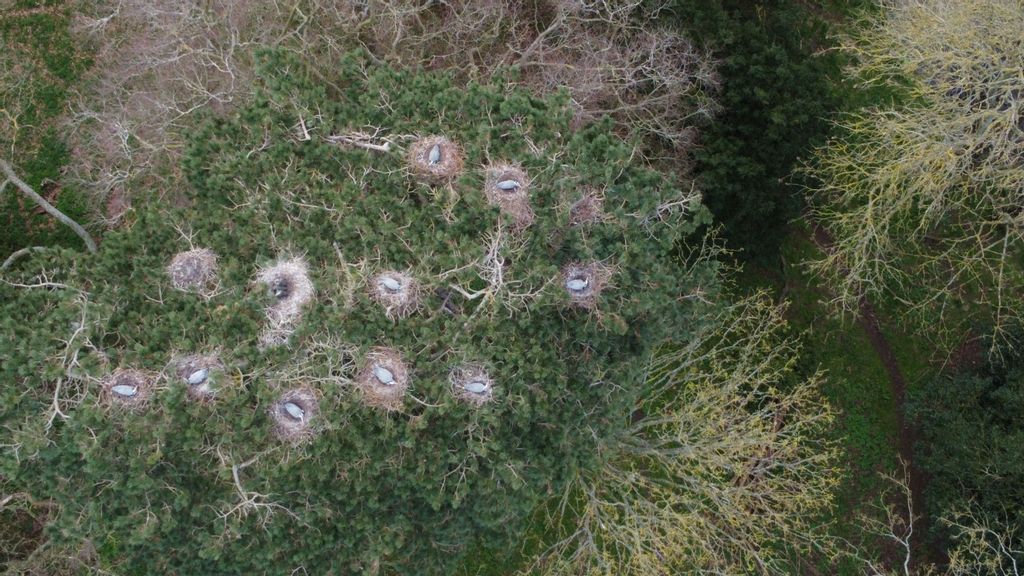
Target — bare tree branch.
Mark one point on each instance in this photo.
(18, 254)
(13, 178)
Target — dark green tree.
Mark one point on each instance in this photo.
(320, 172)
(775, 100)
(974, 442)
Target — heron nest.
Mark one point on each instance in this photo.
(294, 414)
(397, 292)
(472, 384)
(290, 289)
(436, 158)
(508, 187)
(202, 375)
(584, 282)
(589, 209)
(127, 388)
(383, 379)
(194, 271)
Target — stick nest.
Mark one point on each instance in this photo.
(289, 427)
(593, 276)
(589, 209)
(467, 381)
(397, 302)
(375, 392)
(514, 202)
(194, 271)
(448, 164)
(290, 289)
(126, 380)
(188, 370)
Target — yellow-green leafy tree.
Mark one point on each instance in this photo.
(923, 197)
(724, 469)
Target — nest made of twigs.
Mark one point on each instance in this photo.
(435, 158)
(397, 292)
(472, 384)
(293, 425)
(588, 209)
(375, 391)
(202, 375)
(290, 289)
(514, 201)
(583, 283)
(127, 388)
(194, 271)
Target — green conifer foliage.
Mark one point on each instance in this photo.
(188, 486)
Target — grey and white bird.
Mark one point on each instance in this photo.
(125, 390)
(577, 284)
(198, 377)
(383, 375)
(390, 284)
(294, 410)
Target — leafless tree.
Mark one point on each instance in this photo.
(722, 469)
(924, 199)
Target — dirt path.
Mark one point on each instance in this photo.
(907, 432)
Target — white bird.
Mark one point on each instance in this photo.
(476, 387)
(435, 155)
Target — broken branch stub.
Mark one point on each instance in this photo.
(49, 208)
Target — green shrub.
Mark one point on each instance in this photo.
(974, 442)
(774, 104)
(206, 487)
(39, 62)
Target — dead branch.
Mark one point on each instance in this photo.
(18, 254)
(28, 191)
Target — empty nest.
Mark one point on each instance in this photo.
(194, 271)
(589, 209)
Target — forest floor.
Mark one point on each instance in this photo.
(906, 430)
(870, 363)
